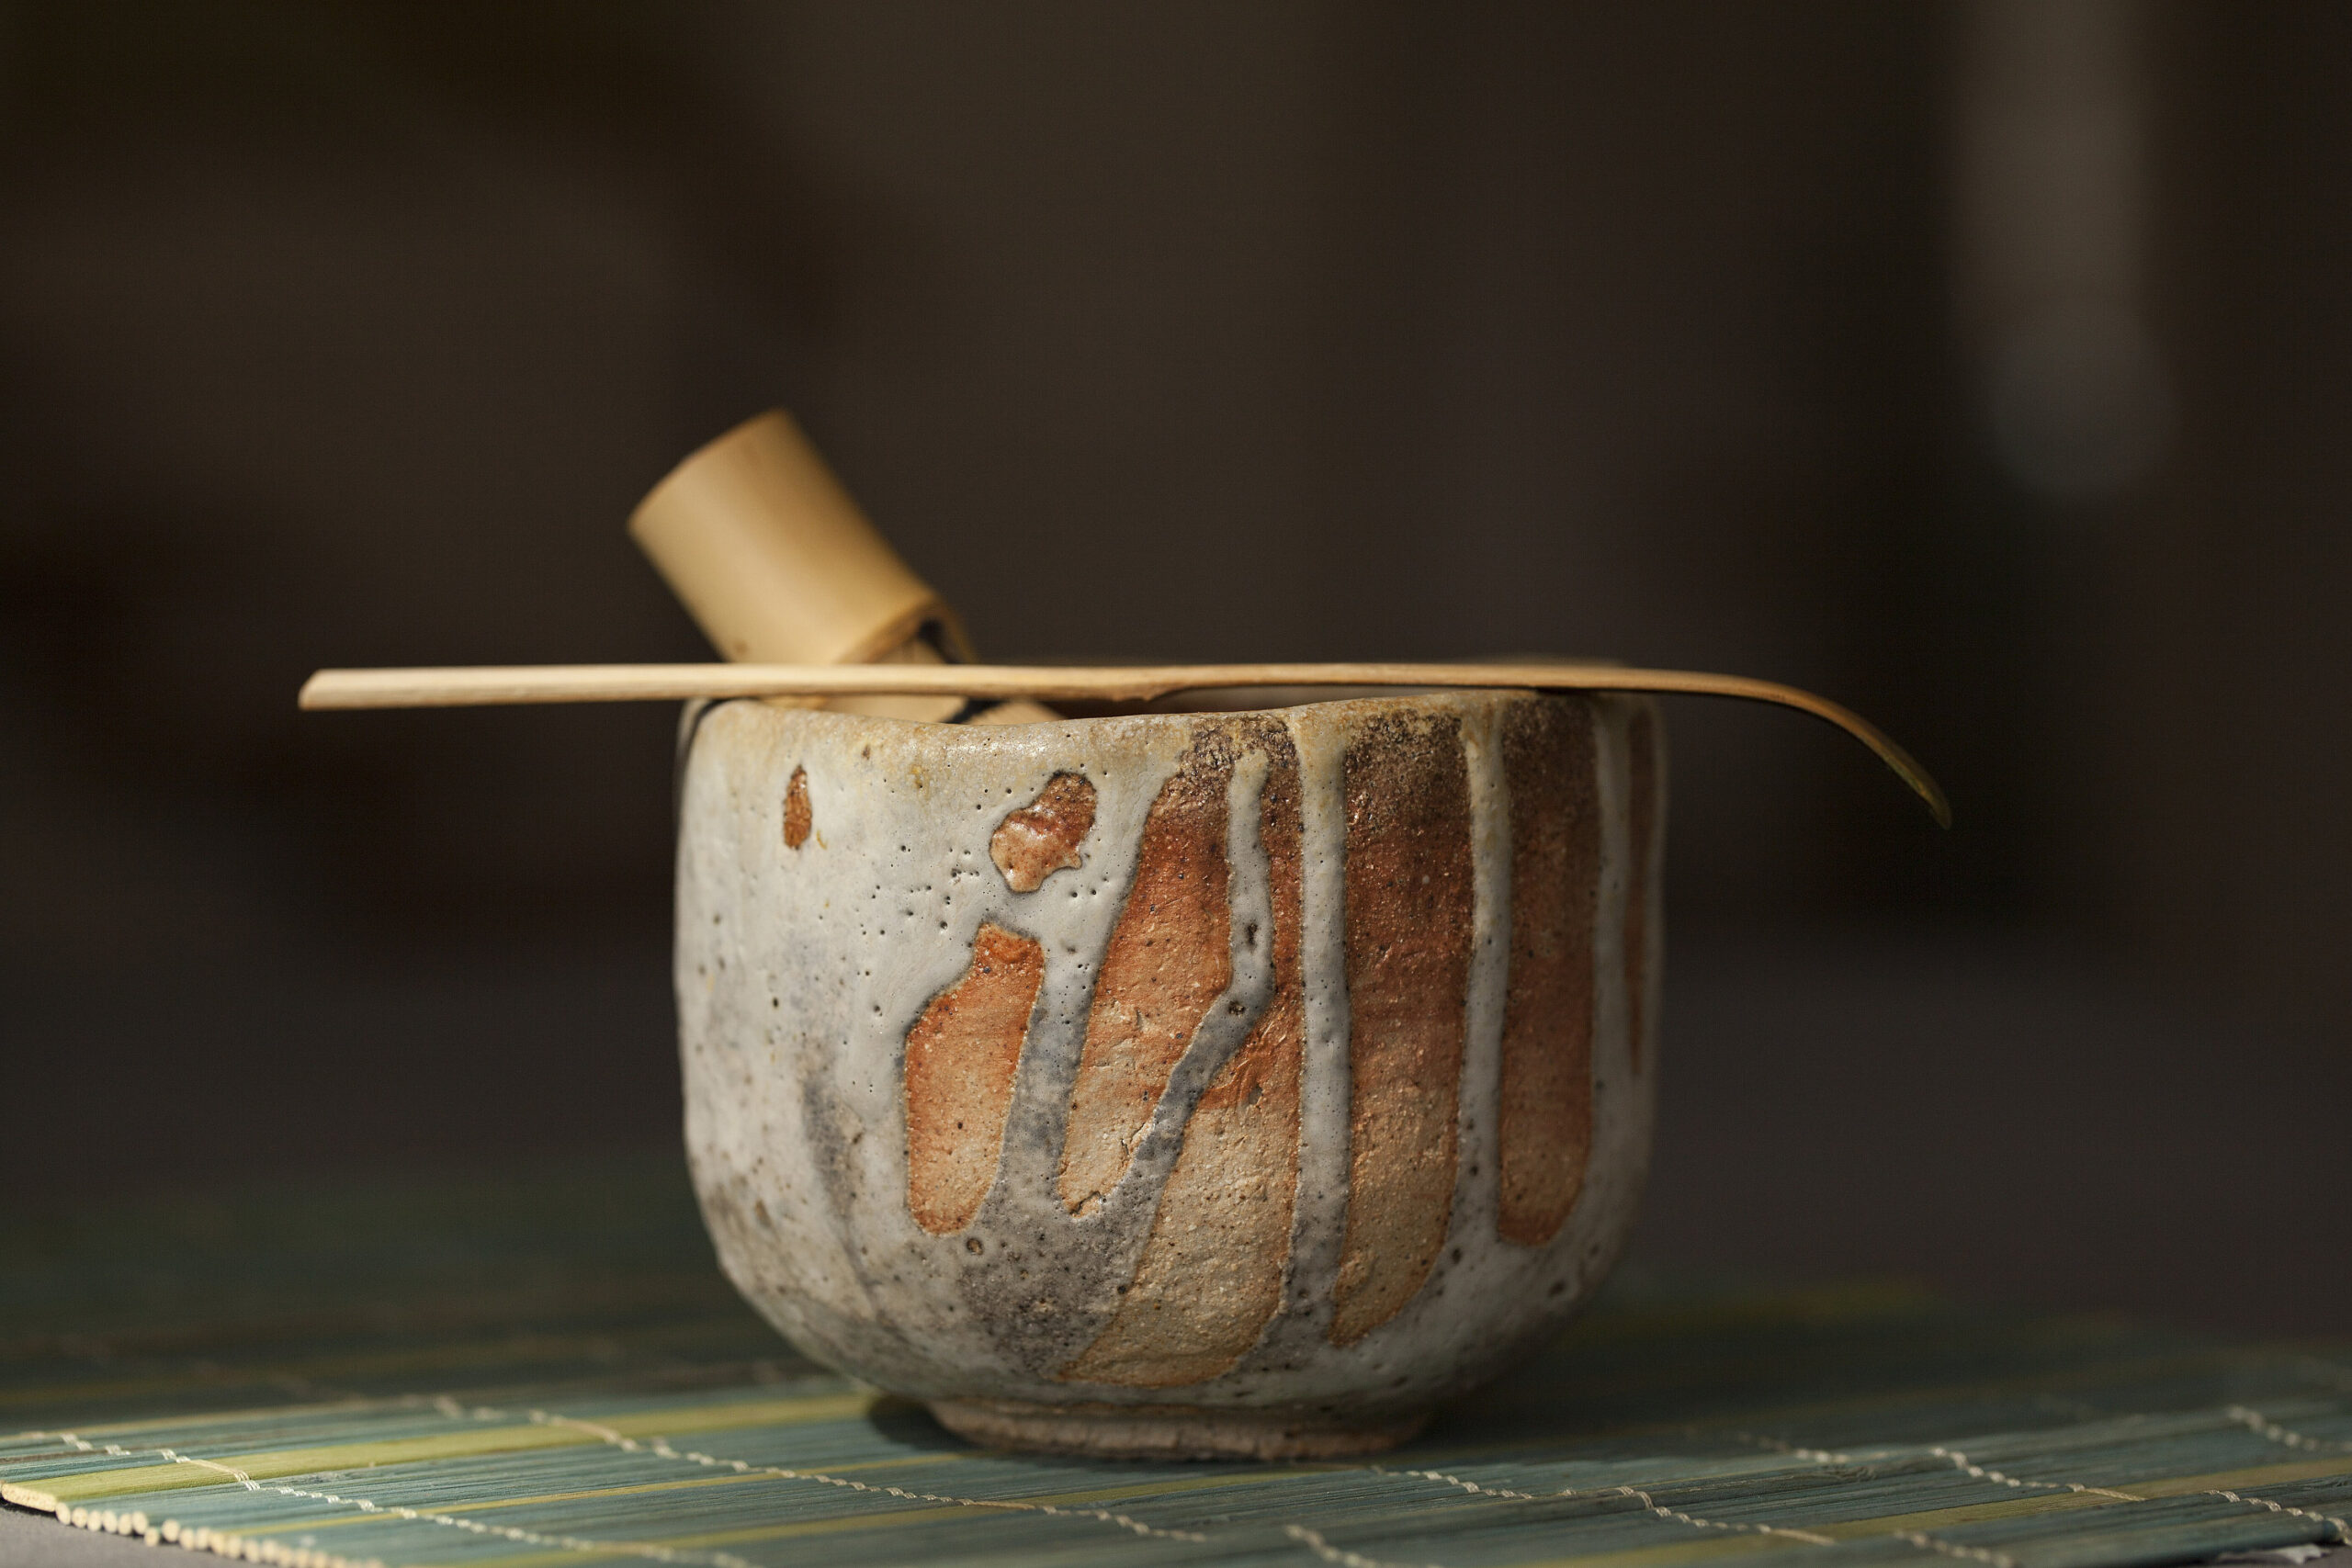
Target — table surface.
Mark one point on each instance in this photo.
(549, 1367)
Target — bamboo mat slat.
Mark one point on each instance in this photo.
(549, 1370)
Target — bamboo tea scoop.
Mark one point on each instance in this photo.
(491, 686)
(784, 573)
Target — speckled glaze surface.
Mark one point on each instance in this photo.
(1182, 1084)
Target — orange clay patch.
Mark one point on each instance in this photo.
(1546, 1113)
(1211, 1273)
(796, 820)
(1166, 965)
(1408, 908)
(1042, 837)
(961, 1055)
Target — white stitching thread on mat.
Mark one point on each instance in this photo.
(1314, 1543)
(1962, 1462)
(661, 1446)
(1654, 1506)
(1822, 1456)
(227, 1544)
(119, 1451)
(2343, 1530)
(1816, 1456)
(171, 1533)
(2281, 1435)
(1651, 1504)
(1647, 1501)
(1456, 1481)
(1662, 1511)
(1953, 1549)
(529, 1537)
(1921, 1538)
(228, 1470)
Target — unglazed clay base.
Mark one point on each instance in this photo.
(1213, 1067)
(1163, 1432)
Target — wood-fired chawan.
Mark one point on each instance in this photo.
(1180, 1084)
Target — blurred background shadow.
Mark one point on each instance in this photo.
(1987, 366)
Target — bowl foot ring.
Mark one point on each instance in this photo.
(1168, 1432)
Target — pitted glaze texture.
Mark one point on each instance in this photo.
(1199, 1083)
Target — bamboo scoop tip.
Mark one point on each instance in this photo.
(1922, 783)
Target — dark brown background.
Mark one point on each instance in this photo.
(1987, 366)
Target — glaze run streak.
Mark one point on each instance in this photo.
(1165, 966)
(1212, 1273)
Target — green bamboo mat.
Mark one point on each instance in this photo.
(549, 1370)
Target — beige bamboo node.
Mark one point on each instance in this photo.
(778, 565)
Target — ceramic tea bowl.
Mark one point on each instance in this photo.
(1190, 1084)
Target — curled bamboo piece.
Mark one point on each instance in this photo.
(776, 562)
(495, 686)
(764, 546)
